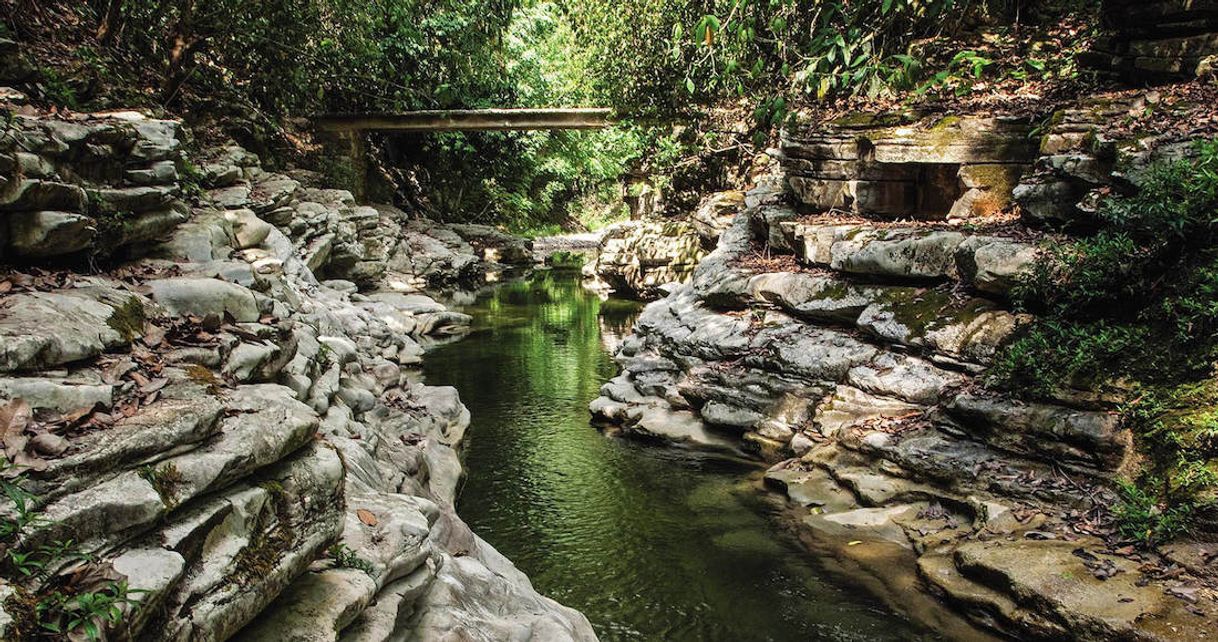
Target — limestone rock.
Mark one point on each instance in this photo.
(638, 257)
(42, 234)
(248, 230)
(204, 297)
(43, 329)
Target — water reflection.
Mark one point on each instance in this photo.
(651, 543)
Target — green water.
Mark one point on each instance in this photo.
(651, 543)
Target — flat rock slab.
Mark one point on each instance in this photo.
(183, 296)
(45, 329)
(1049, 577)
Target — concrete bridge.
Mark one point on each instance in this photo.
(468, 120)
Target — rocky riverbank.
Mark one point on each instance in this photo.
(843, 337)
(218, 407)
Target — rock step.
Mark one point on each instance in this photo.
(768, 403)
(264, 425)
(895, 165)
(82, 181)
(993, 608)
(1051, 579)
(955, 466)
(47, 329)
(639, 257)
(934, 321)
(989, 264)
(246, 547)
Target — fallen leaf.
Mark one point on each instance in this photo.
(14, 418)
(1188, 594)
(154, 385)
(139, 379)
(154, 335)
(30, 462)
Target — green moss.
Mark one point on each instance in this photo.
(272, 535)
(164, 480)
(1192, 415)
(923, 312)
(836, 290)
(206, 378)
(863, 119)
(190, 178)
(128, 319)
(947, 123)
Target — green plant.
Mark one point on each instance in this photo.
(87, 612)
(163, 479)
(191, 178)
(1145, 519)
(1136, 298)
(1132, 309)
(66, 591)
(23, 505)
(344, 557)
(57, 89)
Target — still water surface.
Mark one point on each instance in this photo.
(651, 543)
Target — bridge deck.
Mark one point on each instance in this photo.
(469, 120)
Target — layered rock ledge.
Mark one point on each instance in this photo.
(229, 418)
(847, 346)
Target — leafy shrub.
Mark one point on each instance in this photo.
(1144, 520)
(1135, 305)
(1137, 298)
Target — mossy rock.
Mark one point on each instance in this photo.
(128, 319)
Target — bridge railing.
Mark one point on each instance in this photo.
(469, 120)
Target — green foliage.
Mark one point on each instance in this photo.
(1144, 520)
(564, 260)
(651, 57)
(1054, 354)
(56, 605)
(57, 89)
(344, 557)
(1137, 298)
(1135, 306)
(311, 55)
(89, 612)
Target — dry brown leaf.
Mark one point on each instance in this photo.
(366, 516)
(30, 462)
(154, 335)
(154, 385)
(14, 418)
(139, 379)
(75, 416)
(115, 371)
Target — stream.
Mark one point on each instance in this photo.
(650, 542)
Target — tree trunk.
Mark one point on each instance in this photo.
(184, 44)
(110, 25)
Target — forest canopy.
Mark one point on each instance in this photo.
(658, 63)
